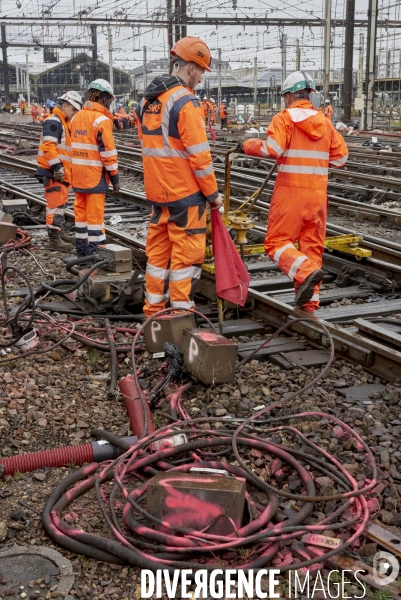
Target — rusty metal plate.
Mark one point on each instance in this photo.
(359, 393)
(278, 345)
(346, 563)
(308, 358)
(384, 537)
(240, 327)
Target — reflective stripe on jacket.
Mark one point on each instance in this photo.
(93, 151)
(176, 154)
(304, 143)
(54, 147)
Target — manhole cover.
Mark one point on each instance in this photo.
(34, 571)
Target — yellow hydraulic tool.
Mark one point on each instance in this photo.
(349, 244)
(238, 219)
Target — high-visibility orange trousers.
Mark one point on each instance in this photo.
(56, 196)
(89, 227)
(175, 249)
(297, 214)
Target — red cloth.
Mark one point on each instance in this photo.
(232, 277)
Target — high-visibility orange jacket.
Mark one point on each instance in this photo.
(177, 161)
(328, 111)
(206, 108)
(93, 151)
(54, 147)
(223, 110)
(212, 108)
(304, 143)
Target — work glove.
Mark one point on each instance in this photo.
(116, 188)
(59, 175)
(216, 204)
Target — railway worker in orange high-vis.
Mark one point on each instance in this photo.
(328, 110)
(54, 166)
(304, 143)
(94, 166)
(179, 178)
(212, 111)
(206, 109)
(223, 114)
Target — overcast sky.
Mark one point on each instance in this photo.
(239, 44)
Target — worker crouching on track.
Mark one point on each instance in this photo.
(304, 143)
(179, 178)
(94, 165)
(54, 166)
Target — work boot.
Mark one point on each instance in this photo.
(68, 237)
(55, 241)
(306, 289)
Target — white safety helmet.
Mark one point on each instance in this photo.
(211, 99)
(296, 82)
(102, 85)
(327, 101)
(73, 98)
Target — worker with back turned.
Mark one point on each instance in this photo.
(54, 166)
(94, 166)
(304, 143)
(179, 178)
(223, 114)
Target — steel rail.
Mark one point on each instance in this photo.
(377, 358)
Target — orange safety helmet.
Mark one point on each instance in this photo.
(193, 49)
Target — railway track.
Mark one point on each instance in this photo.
(271, 295)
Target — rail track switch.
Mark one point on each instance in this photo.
(206, 501)
(168, 328)
(8, 233)
(119, 258)
(15, 206)
(208, 356)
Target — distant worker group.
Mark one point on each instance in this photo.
(77, 150)
(209, 108)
